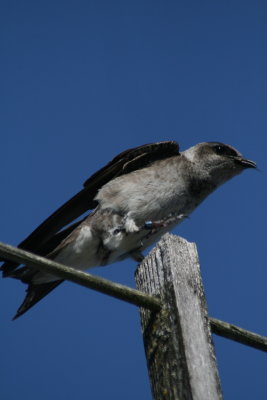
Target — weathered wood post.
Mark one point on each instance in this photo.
(177, 340)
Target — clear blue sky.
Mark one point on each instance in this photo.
(82, 81)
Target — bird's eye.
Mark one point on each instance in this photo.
(222, 149)
(219, 149)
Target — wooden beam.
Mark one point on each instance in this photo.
(177, 339)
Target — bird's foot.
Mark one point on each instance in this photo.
(155, 226)
(137, 256)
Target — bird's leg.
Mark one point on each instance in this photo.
(137, 256)
(155, 226)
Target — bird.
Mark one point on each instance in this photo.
(138, 196)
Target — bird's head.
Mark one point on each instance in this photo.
(220, 161)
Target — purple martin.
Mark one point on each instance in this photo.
(137, 197)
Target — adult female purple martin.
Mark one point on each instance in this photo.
(135, 198)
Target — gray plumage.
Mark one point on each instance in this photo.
(138, 196)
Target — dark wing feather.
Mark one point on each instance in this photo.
(134, 159)
(45, 235)
(34, 294)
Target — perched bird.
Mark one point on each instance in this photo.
(135, 198)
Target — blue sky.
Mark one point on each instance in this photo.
(82, 81)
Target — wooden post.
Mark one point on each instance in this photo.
(177, 339)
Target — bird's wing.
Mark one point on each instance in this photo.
(47, 236)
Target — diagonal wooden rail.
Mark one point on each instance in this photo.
(124, 293)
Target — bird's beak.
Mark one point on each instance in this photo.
(246, 163)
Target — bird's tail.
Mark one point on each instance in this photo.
(35, 292)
